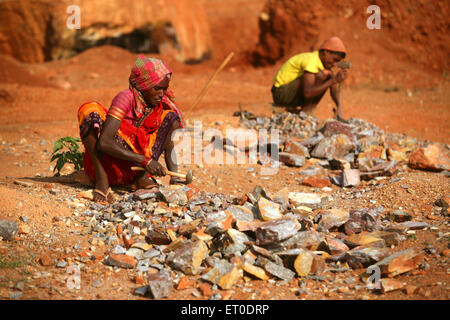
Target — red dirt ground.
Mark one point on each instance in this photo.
(39, 104)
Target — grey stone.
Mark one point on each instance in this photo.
(241, 213)
(291, 159)
(358, 258)
(302, 239)
(188, 257)
(141, 291)
(8, 229)
(61, 264)
(334, 147)
(279, 271)
(277, 230)
(233, 241)
(118, 250)
(159, 284)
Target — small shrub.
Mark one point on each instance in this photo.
(67, 150)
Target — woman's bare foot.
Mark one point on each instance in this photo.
(83, 178)
(102, 197)
(144, 182)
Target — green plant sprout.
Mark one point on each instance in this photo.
(66, 150)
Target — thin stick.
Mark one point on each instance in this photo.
(208, 84)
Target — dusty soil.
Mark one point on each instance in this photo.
(39, 105)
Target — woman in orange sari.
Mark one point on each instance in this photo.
(135, 130)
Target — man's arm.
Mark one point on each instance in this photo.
(335, 92)
(310, 89)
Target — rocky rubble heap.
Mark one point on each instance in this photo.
(174, 235)
(358, 148)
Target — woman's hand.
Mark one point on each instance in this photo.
(155, 168)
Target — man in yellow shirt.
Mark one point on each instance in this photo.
(305, 77)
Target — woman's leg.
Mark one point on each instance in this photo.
(101, 178)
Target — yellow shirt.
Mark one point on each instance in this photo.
(296, 66)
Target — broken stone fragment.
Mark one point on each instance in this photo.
(144, 194)
(312, 200)
(190, 227)
(240, 213)
(364, 238)
(415, 225)
(157, 235)
(334, 147)
(268, 254)
(316, 182)
(188, 257)
(224, 274)
(232, 241)
(332, 218)
(121, 260)
(399, 263)
(295, 147)
(278, 271)
(364, 257)
(173, 196)
(373, 167)
(432, 158)
(373, 151)
(303, 263)
(8, 228)
(364, 219)
(258, 272)
(336, 246)
(302, 239)
(400, 216)
(390, 238)
(277, 230)
(221, 226)
(248, 225)
(333, 127)
(350, 178)
(159, 284)
(269, 210)
(291, 159)
(388, 285)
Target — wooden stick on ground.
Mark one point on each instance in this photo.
(208, 84)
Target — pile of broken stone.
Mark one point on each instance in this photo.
(357, 148)
(170, 232)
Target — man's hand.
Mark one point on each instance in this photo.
(340, 76)
(155, 169)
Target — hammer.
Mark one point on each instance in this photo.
(187, 177)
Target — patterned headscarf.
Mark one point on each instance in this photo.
(146, 74)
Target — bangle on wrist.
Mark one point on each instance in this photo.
(145, 162)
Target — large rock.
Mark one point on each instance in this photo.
(430, 158)
(334, 147)
(159, 284)
(8, 228)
